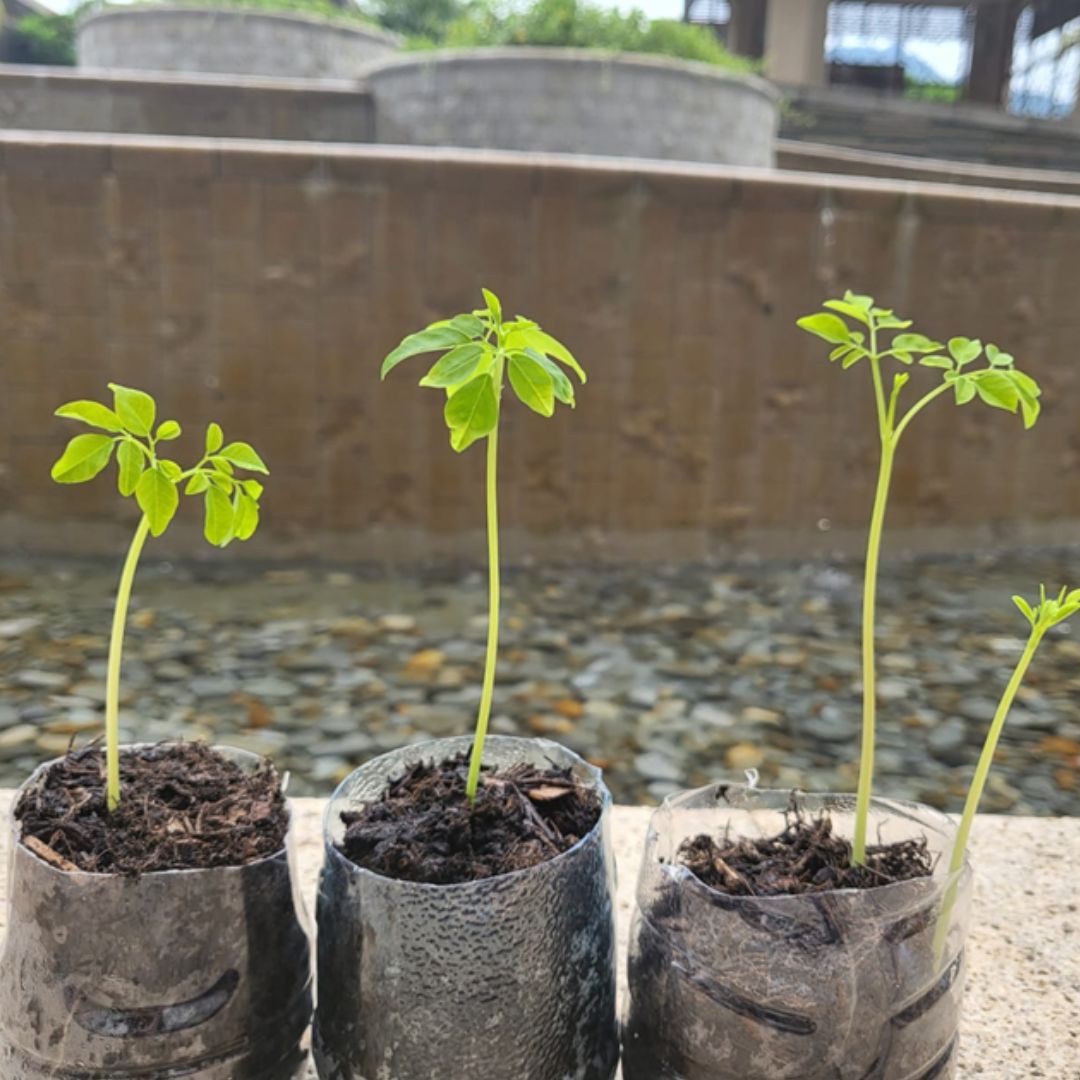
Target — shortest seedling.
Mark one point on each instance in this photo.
(130, 432)
(1047, 613)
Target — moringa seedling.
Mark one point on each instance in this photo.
(1047, 613)
(998, 383)
(478, 349)
(231, 504)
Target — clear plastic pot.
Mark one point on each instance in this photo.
(844, 985)
(509, 978)
(202, 974)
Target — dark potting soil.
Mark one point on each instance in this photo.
(806, 857)
(424, 830)
(183, 807)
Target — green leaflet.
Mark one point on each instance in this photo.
(158, 499)
(532, 384)
(472, 412)
(84, 457)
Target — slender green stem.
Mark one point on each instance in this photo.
(873, 550)
(112, 682)
(916, 408)
(493, 617)
(986, 758)
(978, 784)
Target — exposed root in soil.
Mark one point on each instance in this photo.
(183, 807)
(424, 830)
(806, 857)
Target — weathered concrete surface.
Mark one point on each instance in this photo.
(234, 41)
(575, 101)
(1020, 1016)
(206, 270)
(166, 103)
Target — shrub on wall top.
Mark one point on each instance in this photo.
(41, 39)
(580, 24)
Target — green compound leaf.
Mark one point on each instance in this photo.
(135, 408)
(90, 412)
(243, 455)
(214, 438)
(532, 384)
(472, 412)
(829, 327)
(158, 498)
(83, 458)
(435, 338)
(218, 521)
(458, 365)
(130, 461)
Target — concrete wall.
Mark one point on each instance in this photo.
(231, 41)
(260, 284)
(865, 120)
(822, 158)
(51, 99)
(575, 101)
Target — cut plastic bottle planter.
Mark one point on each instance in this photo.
(200, 973)
(842, 985)
(508, 978)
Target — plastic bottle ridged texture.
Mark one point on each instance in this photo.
(512, 978)
(828, 986)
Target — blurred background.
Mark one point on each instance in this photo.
(242, 205)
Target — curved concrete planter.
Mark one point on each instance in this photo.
(812, 987)
(577, 101)
(232, 41)
(201, 973)
(509, 978)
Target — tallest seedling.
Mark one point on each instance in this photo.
(232, 505)
(478, 351)
(860, 335)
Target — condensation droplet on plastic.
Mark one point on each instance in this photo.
(824, 524)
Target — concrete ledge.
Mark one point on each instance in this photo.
(241, 41)
(530, 98)
(1020, 1009)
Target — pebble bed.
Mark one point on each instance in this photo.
(666, 676)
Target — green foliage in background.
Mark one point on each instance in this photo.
(580, 24)
(324, 9)
(42, 39)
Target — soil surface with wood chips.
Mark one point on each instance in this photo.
(183, 807)
(424, 830)
(806, 857)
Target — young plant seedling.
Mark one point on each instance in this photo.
(1047, 613)
(997, 382)
(478, 350)
(231, 504)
